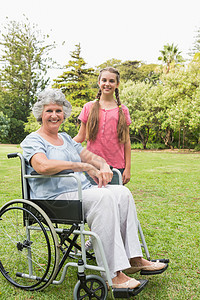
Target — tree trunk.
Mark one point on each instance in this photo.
(144, 139)
(179, 138)
(184, 137)
(168, 139)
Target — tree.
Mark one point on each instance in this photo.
(149, 73)
(196, 47)
(114, 63)
(75, 80)
(137, 71)
(129, 70)
(170, 56)
(178, 113)
(25, 62)
(133, 70)
(78, 86)
(141, 107)
(169, 110)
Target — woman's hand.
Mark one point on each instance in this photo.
(102, 176)
(106, 172)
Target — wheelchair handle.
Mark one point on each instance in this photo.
(12, 155)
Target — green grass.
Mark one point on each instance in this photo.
(166, 189)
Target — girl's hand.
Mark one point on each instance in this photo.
(126, 176)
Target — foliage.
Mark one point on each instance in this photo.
(133, 70)
(196, 47)
(71, 126)
(142, 109)
(170, 56)
(149, 73)
(168, 110)
(4, 126)
(25, 61)
(74, 82)
(129, 70)
(32, 124)
(181, 97)
(16, 131)
(77, 83)
(138, 71)
(113, 62)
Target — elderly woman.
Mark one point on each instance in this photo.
(109, 210)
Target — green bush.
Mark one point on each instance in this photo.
(152, 146)
(136, 146)
(16, 132)
(197, 148)
(156, 146)
(4, 127)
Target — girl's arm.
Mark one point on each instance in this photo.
(127, 156)
(80, 137)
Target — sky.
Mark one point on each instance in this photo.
(120, 29)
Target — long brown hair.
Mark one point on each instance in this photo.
(92, 125)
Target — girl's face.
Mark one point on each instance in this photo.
(52, 116)
(108, 82)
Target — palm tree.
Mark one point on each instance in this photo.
(170, 55)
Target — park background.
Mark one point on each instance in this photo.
(156, 48)
(39, 49)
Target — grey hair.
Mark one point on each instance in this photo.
(49, 96)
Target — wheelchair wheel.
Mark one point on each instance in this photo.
(96, 288)
(29, 254)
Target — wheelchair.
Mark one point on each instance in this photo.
(35, 233)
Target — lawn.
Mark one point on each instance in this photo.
(166, 189)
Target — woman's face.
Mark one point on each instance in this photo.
(52, 116)
(108, 82)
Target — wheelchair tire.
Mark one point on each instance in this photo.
(97, 288)
(29, 253)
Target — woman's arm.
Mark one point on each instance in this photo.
(42, 165)
(80, 137)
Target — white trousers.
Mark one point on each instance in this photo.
(110, 212)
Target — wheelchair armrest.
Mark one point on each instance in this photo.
(118, 173)
(68, 173)
(64, 172)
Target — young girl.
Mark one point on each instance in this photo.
(105, 125)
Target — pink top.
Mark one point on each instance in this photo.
(106, 144)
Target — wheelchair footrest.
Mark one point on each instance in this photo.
(127, 293)
(163, 260)
(156, 272)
